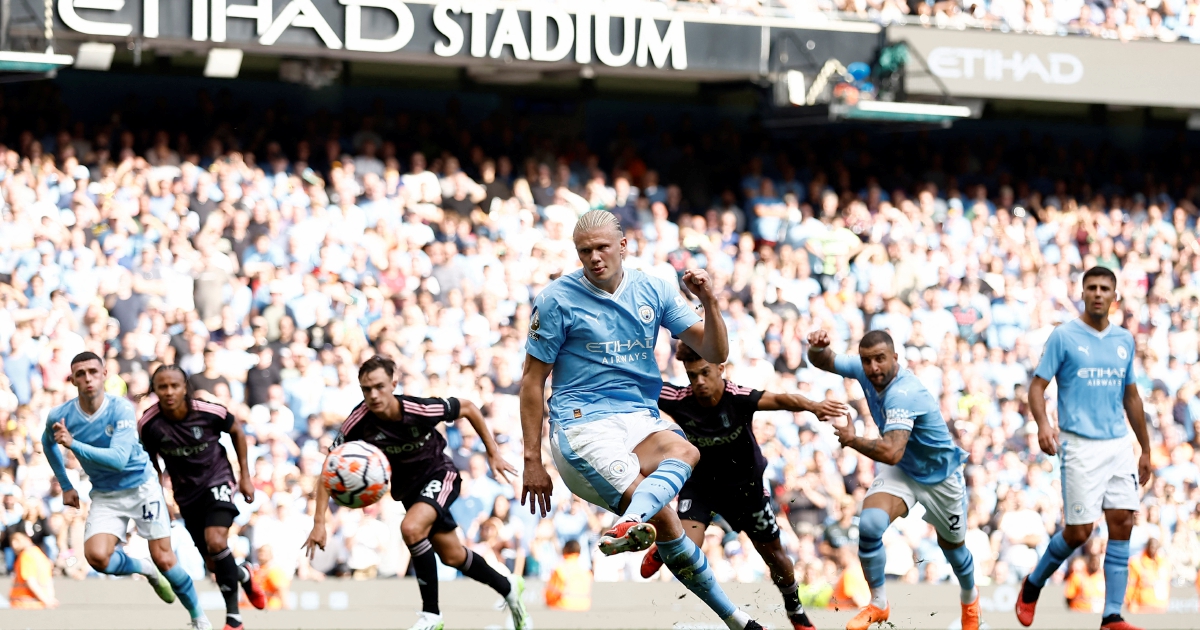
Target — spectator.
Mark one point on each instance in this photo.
(1084, 587)
(570, 584)
(1149, 580)
(32, 584)
(275, 582)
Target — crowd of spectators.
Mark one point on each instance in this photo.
(269, 256)
(1165, 20)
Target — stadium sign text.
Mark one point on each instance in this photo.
(479, 28)
(987, 64)
(995, 65)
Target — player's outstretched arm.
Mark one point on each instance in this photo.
(500, 467)
(824, 410)
(245, 479)
(708, 338)
(1137, 420)
(316, 538)
(887, 449)
(1047, 433)
(536, 483)
(819, 352)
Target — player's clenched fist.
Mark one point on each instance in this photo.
(819, 339)
(698, 282)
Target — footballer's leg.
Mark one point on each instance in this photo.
(748, 509)
(1083, 501)
(945, 506)
(1116, 567)
(694, 517)
(666, 460)
(419, 518)
(450, 549)
(164, 559)
(884, 503)
(225, 570)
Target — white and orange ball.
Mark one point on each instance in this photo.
(356, 474)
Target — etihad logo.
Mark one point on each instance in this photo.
(628, 351)
(617, 347)
(1102, 377)
(1101, 373)
(949, 62)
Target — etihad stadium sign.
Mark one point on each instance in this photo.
(625, 35)
(982, 64)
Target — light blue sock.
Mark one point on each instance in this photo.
(1116, 576)
(687, 562)
(963, 563)
(121, 564)
(181, 583)
(657, 490)
(872, 523)
(1056, 553)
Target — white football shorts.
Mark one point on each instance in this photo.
(945, 503)
(1097, 475)
(596, 460)
(145, 506)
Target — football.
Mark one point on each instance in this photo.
(356, 474)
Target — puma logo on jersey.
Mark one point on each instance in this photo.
(1084, 349)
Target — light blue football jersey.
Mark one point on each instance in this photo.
(602, 345)
(931, 454)
(1092, 369)
(106, 445)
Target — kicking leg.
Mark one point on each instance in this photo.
(666, 463)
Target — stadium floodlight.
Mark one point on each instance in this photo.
(223, 63)
(95, 56)
(11, 61)
(888, 111)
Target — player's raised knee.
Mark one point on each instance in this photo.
(685, 452)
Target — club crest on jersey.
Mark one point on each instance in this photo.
(1122, 353)
(108, 430)
(646, 313)
(197, 432)
(725, 420)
